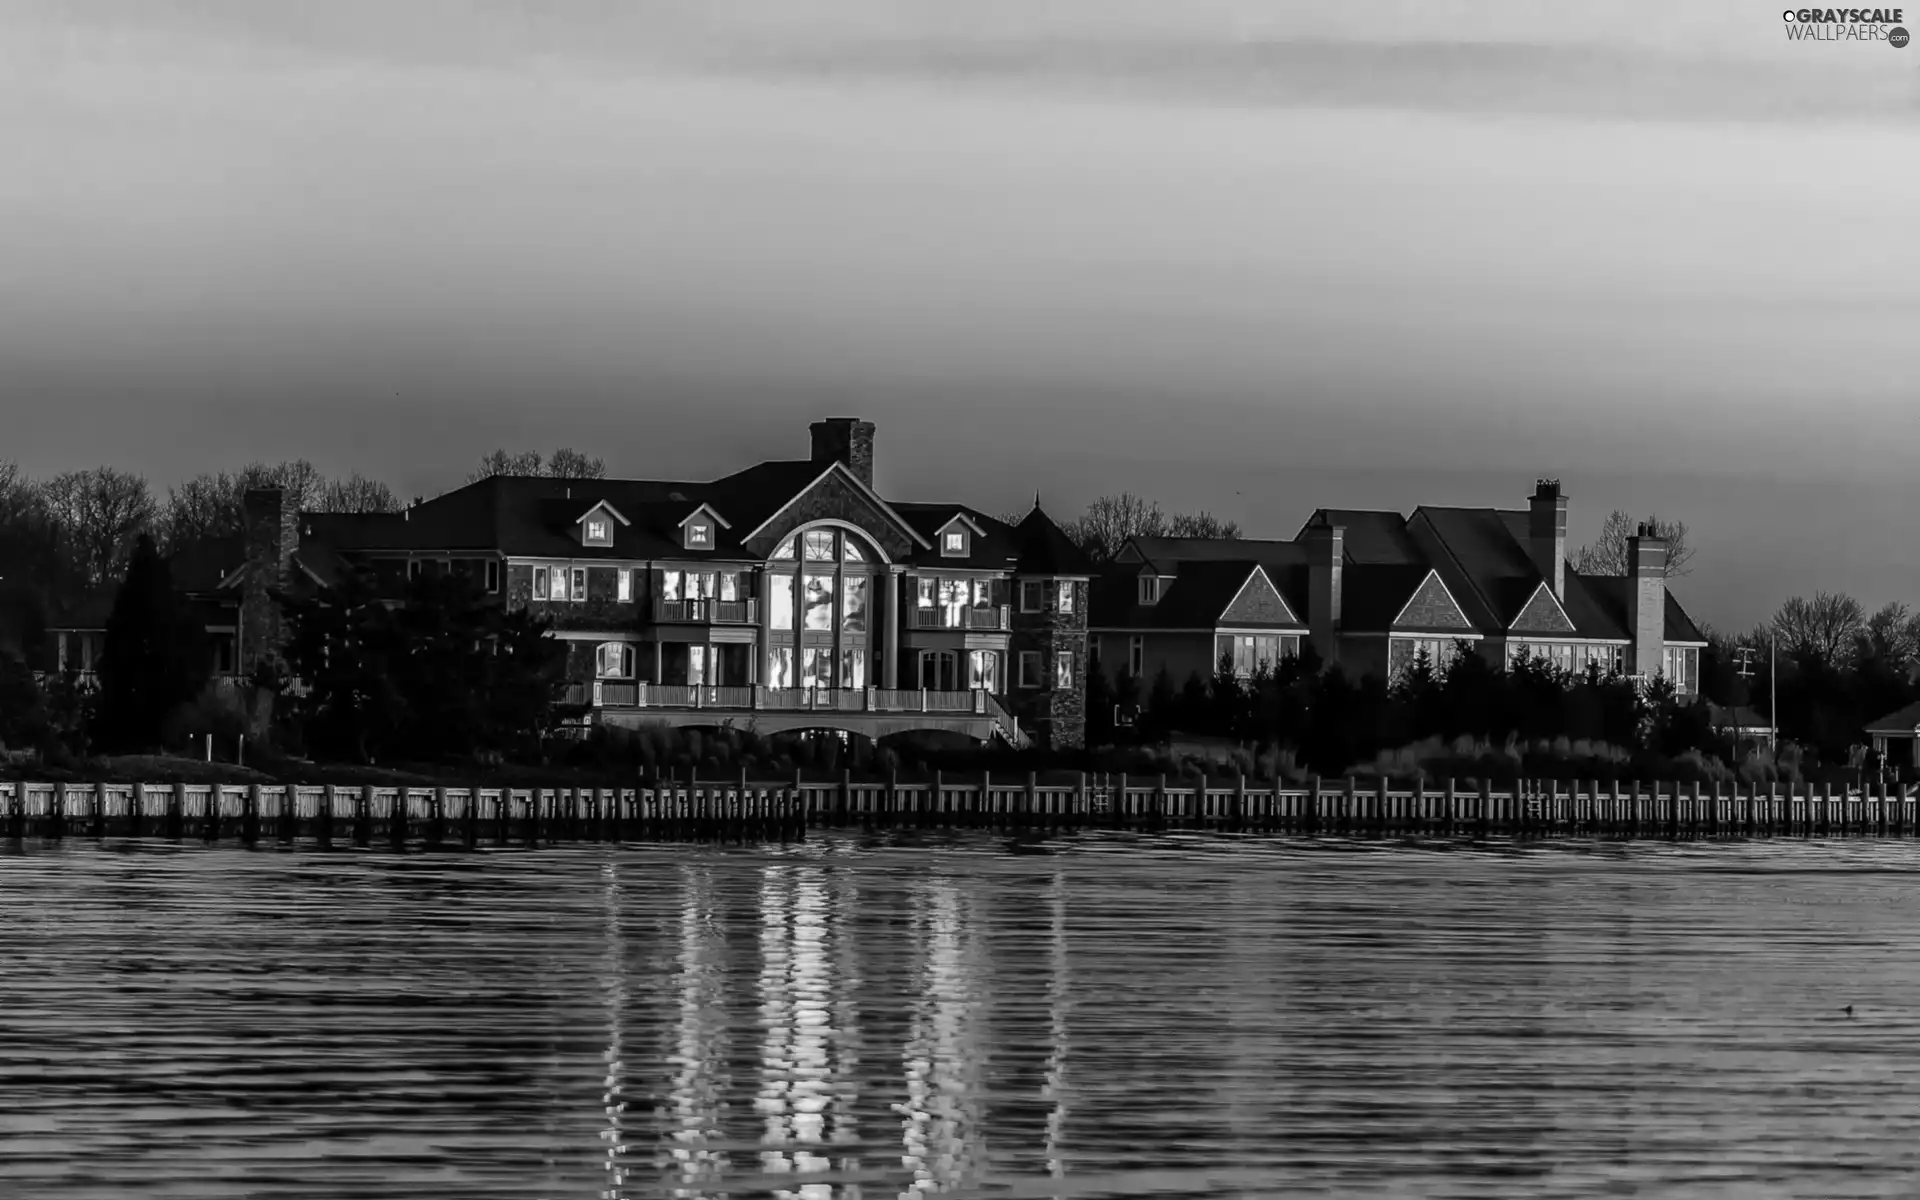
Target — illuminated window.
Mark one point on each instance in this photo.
(1063, 671)
(699, 536)
(954, 543)
(851, 550)
(597, 531)
(785, 549)
(615, 661)
(1065, 603)
(623, 585)
(579, 583)
(819, 545)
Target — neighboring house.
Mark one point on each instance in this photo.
(1371, 590)
(205, 573)
(1897, 735)
(1741, 723)
(787, 595)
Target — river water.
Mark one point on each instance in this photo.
(1127, 1016)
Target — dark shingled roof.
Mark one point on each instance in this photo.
(1372, 594)
(1045, 549)
(1165, 552)
(1613, 594)
(1903, 720)
(995, 548)
(1370, 537)
(1195, 598)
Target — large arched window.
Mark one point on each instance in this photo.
(820, 596)
(613, 660)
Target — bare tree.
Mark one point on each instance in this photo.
(1110, 521)
(357, 494)
(1824, 629)
(1607, 554)
(1892, 635)
(1202, 524)
(568, 463)
(528, 462)
(300, 482)
(98, 514)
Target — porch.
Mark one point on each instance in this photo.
(977, 713)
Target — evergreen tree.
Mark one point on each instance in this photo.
(155, 658)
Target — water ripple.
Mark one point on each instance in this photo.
(910, 1016)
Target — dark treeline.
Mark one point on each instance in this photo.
(1468, 719)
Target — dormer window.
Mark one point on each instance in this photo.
(954, 545)
(596, 526)
(1149, 589)
(699, 535)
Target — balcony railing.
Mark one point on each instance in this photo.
(708, 612)
(620, 693)
(993, 619)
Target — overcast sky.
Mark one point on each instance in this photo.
(1250, 255)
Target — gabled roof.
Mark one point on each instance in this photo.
(748, 488)
(1901, 721)
(704, 507)
(598, 506)
(1197, 596)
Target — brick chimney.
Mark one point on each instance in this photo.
(845, 439)
(1326, 563)
(272, 535)
(1547, 534)
(1647, 573)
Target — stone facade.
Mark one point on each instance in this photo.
(1432, 608)
(1055, 717)
(848, 440)
(833, 497)
(272, 536)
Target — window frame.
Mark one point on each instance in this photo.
(1030, 676)
(1149, 592)
(1063, 597)
(623, 585)
(1065, 670)
(1136, 654)
(577, 577)
(492, 573)
(953, 542)
(596, 531)
(1032, 595)
(698, 535)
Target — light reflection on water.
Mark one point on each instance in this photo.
(1127, 1017)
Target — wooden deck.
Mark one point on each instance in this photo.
(743, 809)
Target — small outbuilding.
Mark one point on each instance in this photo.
(1897, 736)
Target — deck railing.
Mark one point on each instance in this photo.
(744, 808)
(708, 611)
(991, 619)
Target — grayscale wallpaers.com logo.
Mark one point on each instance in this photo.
(1847, 25)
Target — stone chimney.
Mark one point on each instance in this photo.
(1647, 576)
(845, 439)
(1547, 534)
(272, 536)
(1326, 563)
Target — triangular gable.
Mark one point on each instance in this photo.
(711, 512)
(1431, 606)
(838, 476)
(1258, 602)
(963, 519)
(1542, 613)
(598, 507)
